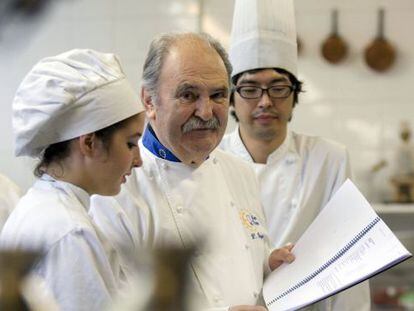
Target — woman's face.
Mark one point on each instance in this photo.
(119, 157)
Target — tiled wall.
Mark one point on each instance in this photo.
(347, 102)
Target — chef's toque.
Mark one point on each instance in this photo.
(69, 95)
(263, 36)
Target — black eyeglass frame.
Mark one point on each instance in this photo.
(292, 88)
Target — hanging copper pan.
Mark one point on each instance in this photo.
(334, 49)
(380, 54)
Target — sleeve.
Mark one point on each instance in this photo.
(267, 249)
(77, 273)
(344, 170)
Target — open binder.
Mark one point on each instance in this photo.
(346, 244)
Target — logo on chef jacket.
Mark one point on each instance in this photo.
(251, 223)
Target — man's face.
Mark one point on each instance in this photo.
(263, 118)
(190, 115)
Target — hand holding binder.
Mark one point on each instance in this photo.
(346, 244)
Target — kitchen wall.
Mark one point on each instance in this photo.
(347, 102)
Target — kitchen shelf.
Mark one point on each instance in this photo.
(393, 208)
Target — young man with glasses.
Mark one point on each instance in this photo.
(298, 174)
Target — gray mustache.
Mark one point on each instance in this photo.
(195, 123)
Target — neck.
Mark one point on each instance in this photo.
(69, 172)
(260, 148)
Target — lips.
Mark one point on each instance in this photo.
(124, 177)
(265, 117)
(265, 114)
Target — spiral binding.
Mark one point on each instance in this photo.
(338, 255)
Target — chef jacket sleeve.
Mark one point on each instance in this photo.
(77, 272)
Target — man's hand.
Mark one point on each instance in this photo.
(247, 308)
(281, 255)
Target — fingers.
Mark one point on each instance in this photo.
(289, 246)
(281, 255)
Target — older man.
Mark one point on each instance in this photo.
(185, 189)
(297, 173)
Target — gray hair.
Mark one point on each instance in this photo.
(159, 49)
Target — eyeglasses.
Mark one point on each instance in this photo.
(256, 92)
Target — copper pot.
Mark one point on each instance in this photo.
(334, 49)
(380, 54)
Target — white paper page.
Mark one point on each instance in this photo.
(344, 244)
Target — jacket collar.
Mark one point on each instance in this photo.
(81, 195)
(151, 142)
(287, 148)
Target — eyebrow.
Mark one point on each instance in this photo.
(137, 134)
(189, 86)
(276, 80)
(221, 88)
(184, 86)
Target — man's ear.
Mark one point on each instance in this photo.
(88, 144)
(148, 102)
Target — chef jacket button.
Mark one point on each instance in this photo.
(197, 253)
(215, 160)
(290, 160)
(255, 294)
(246, 246)
(164, 165)
(217, 299)
(180, 209)
(231, 203)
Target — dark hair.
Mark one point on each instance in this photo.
(59, 151)
(295, 83)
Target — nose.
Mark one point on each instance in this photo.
(265, 101)
(204, 109)
(136, 160)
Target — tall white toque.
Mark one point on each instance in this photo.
(263, 35)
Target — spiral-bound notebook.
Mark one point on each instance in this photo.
(346, 244)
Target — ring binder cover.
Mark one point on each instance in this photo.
(346, 244)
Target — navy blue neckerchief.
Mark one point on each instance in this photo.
(151, 142)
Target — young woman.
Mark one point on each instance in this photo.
(78, 114)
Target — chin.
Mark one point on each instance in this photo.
(111, 192)
(203, 148)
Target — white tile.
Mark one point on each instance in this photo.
(97, 35)
(156, 9)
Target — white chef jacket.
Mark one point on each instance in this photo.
(170, 203)
(297, 181)
(78, 267)
(9, 196)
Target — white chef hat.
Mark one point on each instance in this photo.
(68, 95)
(263, 36)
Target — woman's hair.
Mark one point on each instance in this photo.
(59, 151)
